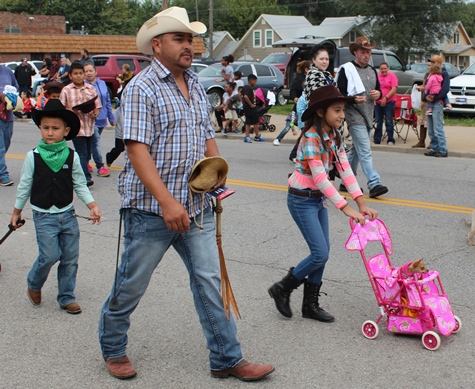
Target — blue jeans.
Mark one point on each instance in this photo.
(435, 128)
(83, 145)
(387, 113)
(57, 235)
(6, 133)
(96, 147)
(361, 152)
(311, 217)
(284, 132)
(146, 240)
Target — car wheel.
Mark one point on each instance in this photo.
(281, 100)
(215, 96)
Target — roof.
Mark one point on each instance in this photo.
(65, 43)
(330, 28)
(457, 49)
(284, 25)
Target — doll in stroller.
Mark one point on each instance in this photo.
(412, 303)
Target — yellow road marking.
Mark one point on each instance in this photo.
(283, 188)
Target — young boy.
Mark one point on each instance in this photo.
(82, 99)
(49, 177)
(250, 109)
(51, 90)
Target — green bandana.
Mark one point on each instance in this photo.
(54, 154)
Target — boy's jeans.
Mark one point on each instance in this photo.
(96, 147)
(146, 240)
(6, 133)
(57, 235)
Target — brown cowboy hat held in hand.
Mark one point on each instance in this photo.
(207, 173)
(361, 42)
(323, 97)
(173, 19)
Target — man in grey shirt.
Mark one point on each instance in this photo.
(358, 78)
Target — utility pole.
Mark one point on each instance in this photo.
(196, 10)
(210, 29)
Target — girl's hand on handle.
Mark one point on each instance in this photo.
(355, 215)
(371, 213)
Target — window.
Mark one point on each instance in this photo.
(143, 63)
(257, 38)
(456, 38)
(12, 30)
(394, 63)
(377, 58)
(263, 71)
(269, 37)
(122, 61)
(352, 36)
(245, 70)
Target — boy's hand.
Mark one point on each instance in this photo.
(16, 221)
(95, 215)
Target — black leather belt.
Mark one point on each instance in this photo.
(314, 194)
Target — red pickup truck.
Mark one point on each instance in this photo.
(109, 66)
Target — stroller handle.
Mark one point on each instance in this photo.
(352, 221)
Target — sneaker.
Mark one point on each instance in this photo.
(441, 155)
(391, 143)
(5, 182)
(276, 142)
(103, 172)
(342, 188)
(223, 131)
(259, 139)
(90, 183)
(378, 190)
(89, 167)
(236, 131)
(247, 139)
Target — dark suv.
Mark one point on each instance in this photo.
(109, 66)
(340, 55)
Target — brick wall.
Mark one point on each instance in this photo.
(33, 24)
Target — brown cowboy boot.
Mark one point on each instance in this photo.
(422, 138)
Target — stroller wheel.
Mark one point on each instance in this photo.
(431, 340)
(458, 325)
(271, 127)
(370, 329)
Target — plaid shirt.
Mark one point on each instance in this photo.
(156, 113)
(71, 96)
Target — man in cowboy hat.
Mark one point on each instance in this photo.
(167, 129)
(358, 78)
(435, 121)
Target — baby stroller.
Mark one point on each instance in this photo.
(265, 99)
(414, 304)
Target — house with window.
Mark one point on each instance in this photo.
(223, 44)
(257, 42)
(459, 50)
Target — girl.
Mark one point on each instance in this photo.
(227, 72)
(124, 78)
(434, 85)
(230, 122)
(28, 105)
(309, 188)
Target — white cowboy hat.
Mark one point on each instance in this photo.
(173, 19)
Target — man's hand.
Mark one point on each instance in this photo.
(375, 94)
(175, 216)
(360, 99)
(430, 98)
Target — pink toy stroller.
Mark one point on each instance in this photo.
(414, 303)
(265, 100)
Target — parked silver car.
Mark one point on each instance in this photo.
(268, 76)
(422, 68)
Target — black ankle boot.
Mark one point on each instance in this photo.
(310, 307)
(281, 291)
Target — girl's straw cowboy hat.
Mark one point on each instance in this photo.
(54, 108)
(323, 97)
(173, 19)
(207, 173)
(361, 42)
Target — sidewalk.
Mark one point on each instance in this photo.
(460, 140)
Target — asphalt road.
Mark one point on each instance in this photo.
(44, 347)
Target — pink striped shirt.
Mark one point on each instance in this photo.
(71, 95)
(313, 163)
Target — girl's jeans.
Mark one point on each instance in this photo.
(146, 240)
(311, 217)
(57, 235)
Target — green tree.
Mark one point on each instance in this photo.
(407, 25)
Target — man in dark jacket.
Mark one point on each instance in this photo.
(435, 122)
(23, 73)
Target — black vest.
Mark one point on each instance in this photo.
(50, 188)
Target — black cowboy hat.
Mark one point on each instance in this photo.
(54, 108)
(323, 97)
(87, 106)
